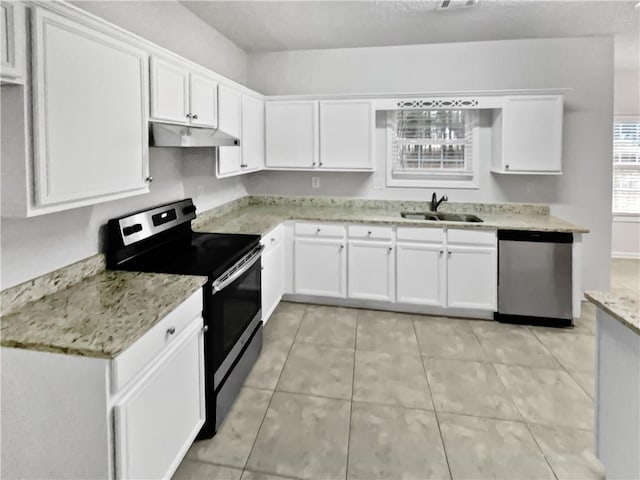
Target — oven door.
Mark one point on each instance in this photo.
(232, 314)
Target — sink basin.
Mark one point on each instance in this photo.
(441, 216)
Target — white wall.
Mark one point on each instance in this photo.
(626, 93)
(584, 65)
(625, 234)
(34, 246)
(175, 27)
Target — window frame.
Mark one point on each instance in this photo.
(621, 119)
(458, 180)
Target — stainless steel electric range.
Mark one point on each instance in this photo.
(161, 240)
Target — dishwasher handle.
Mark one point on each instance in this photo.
(535, 236)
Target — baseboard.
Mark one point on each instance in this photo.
(631, 255)
(390, 307)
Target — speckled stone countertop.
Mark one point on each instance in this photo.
(623, 305)
(259, 215)
(99, 316)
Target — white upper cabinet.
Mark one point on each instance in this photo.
(527, 135)
(230, 118)
(182, 96)
(329, 135)
(12, 39)
(252, 133)
(346, 134)
(292, 134)
(203, 101)
(169, 92)
(90, 114)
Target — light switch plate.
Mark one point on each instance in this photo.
(378, 184)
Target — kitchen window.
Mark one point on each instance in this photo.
(432, 148)
(626, 166)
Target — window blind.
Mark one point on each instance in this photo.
(433, 142)
(626, 167)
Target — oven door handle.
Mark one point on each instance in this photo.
(237, 270)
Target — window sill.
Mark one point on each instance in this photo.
(459, 182)
(626, 217)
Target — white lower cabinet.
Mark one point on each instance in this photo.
(132, 416)
(272, 271)
(420, 277)
(320, 265)
(156, 421)
(371, 270)
(427, 267)
(471, 277)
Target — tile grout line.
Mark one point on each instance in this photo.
(274, 391)
(544, 455)
(563, 368)
(435, 413)
(353, 382)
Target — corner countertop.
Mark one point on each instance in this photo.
(100, 316)
(257, 217)
(623, 305)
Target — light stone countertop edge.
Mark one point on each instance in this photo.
(621, 306)
(99, 317)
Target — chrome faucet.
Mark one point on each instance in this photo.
(435, 203)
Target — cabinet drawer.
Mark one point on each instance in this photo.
(158, 419)
(376, 232)
(420, 234)
(471, 237)
(135, 358)
(319, 230)
(273, 238)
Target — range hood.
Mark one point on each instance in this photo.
(169, 135)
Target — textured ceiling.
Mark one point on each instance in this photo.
(260, 26)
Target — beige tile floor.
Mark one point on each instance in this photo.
(346, 393)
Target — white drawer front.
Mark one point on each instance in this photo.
(374, 232)
(420, 234)
(127, 365)
(320, 230)
(471, 237)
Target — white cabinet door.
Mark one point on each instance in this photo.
(320, 267)
(292, 134)
(90, 114)
(532, 134)
(169, 92)
(420, 273)
(346, 134)
(371, 270)
(229, 121)
(203, 101)
(252, 133)
(272, 280)
(12, 42)
(158, 419)
(471, 277)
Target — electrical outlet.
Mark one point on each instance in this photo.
(315, 182)
(529, 187)
(378, 184)
(199, 192)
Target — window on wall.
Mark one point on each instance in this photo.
(626, 166)
(432, 148)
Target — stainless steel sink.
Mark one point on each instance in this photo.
(441, 216)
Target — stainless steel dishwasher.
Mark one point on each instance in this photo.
(534, 278)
